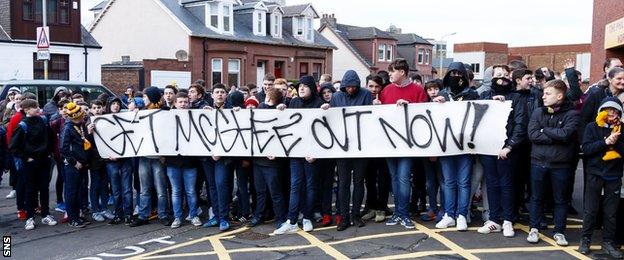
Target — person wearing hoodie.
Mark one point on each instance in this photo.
(51, 107)
(456, 169)
(303, 171)
(499, 170)
(326, 91)
(401, 91)
(196, 97)
(604, 149)
(152, 173)
(351, 94)
(120, 176)
(552, 132)
(595, 95)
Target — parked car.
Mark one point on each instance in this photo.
(44, 89)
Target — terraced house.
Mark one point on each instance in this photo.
(229, 41)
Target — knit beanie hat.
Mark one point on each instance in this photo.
(252, 101)
(74, 111)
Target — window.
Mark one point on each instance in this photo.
(476, 67)
(58, 67)
(389, 52)
(299, 26)
(303, 69)
(309, 30)
(214, 15)
(64, 12)
(427, 55)
(381, 52)
(317, 69)
(28, 12)
(217, 68)
(38, 11)
(233, 72)
(259, 23)
(277, 25)
(421, 54)
(226, 18)
(52, 8)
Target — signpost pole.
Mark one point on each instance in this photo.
(45, 23)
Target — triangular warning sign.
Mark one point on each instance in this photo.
(42, 40)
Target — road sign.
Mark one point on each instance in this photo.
(43, 37)
(43, 55)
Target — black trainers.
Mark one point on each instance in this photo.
(358, 222)
(138, 222)
(76, 224)
(584, 245)
(613, 251)
(116, 221)
(344, 224)
(165, 221)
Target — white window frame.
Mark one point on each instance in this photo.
(232, 71)
(299, 27)
(218, 9)
(230, 17)
(259, 23)
(276, 25)
(381, 49)
(421, 56)
(210, 8)
(389, 52)
(216, 69)
(309, 30)
(427, 56)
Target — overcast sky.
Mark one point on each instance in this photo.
(518, 23)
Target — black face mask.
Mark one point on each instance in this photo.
(501, 85)
(457, 84)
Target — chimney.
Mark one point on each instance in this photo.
(125, 59)
(394, 29)
(329, 19)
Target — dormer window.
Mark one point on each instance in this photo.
(309, 30)
(276, 25)
(259, 20)
(300, 24)
(303, 28)
(219, 17)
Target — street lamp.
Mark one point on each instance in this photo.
(440, 54)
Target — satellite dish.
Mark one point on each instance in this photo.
(181, 55)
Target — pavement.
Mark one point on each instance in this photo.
(374, 241)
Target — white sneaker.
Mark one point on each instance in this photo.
(462, 223)
(286, 228)
(11, 195)
(445, 222)
(196, 221)
(508, 230)
(176, 223)
(307, 225)
(30, 224)
(199, 212)
(49, 220)
(107, 214)
(489, 227)
(533, 236)
(97, 217)
(560, 239)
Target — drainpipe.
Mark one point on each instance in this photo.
(86, 63)
(204, 60)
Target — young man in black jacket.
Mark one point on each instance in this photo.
(75, 153)
(552, 131)
(499, 170)
(603, 149)
(31, 146)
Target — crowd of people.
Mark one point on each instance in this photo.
(554, 124)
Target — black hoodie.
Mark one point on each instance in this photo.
(516, 122)
(314, 101)
(34, 142)
(466, 92)
(553, 136)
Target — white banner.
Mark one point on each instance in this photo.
(416, 130)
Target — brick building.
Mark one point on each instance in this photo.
(480, 55)
(607, 34)
(229, 41)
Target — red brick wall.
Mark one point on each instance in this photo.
(164, 64)
(481, 46)
(118, 79)
(492, 59)
(605, 11)
(367, 48)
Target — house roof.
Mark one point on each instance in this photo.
(361, 33)
(342, 35)
(243, 30)
(99, 6)
(410, 38)
(297, 10)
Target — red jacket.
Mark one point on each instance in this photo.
(15, 120)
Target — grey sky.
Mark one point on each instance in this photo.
(518, 23)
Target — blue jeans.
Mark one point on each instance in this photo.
(73, 182)
(268, 177)
(209, 171)
(152, 172)
(303, 189)
(401, 185)
(183, 178)
(98, 192)
(120, 175)
(243, 180)
(559, 179)
(457, 171)
(499, 179)
(224, 174)
(434, 181)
